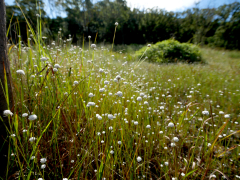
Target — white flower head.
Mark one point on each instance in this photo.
(31, 139)
(101, 89)
(93, 46)
(139, 159)
(43, 160)
(205, 112)
(175, 139)
(148, 126)
(170, 124)
(139, 98)
(119, 94)
(55, 69)
(149, 45)
(75, 82)
(43, 166)
(43, 59)
(32, 117)
(7, 113)
(118, 77)
(57, 66)
(24, 114)
(116, 23)
(90, 95)
(21, 72)
(227, 116)
(110, 116)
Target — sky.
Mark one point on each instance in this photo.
(169, 5)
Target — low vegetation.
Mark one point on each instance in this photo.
(88, 113)
(170, 51)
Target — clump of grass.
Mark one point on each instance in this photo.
(101, 115)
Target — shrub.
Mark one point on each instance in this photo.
(171, 51)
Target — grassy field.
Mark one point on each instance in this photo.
(105, 115)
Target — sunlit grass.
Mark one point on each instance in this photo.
(101, 114)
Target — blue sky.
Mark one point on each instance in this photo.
(170, 5)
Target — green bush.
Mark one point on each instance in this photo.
(171, 51)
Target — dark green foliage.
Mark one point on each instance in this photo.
(216, 27)
(171, 51)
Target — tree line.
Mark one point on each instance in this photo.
(217, 27)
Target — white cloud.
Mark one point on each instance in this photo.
(169, 5)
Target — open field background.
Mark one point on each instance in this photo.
(104, 114)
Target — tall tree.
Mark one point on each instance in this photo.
(4, 67)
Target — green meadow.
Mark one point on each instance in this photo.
(98, 112)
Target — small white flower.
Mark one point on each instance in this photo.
(57, 66)
(99, 117)
(93, 46)
(101, 70)
(111, 152)
(24, 130)
(161, 132)
(102, 141)
(173, 144)
(89, 37)
(182, 174)
(43, 166)
(72, 161)
(24, 114)
(13, 135)
(55, 69)
(139, 98)
(20, 72)
(32, 117)
(116, 23)
(33, 157)
(209, 144)
(7, 113)
(139, 159)
(101, 89)
(90, 95)
(135, 123)
(148, 126)
(227, 116)
(110, 128)
(149, 45)
(145, 103)
(43, 160)
(118, 77)
(90, 104)
(106, 82)
(75, 82)
(170, 124)
(40, 178)
(119, 142)
(166, 163)
(65, 178)
(205, 112)
(43, 59)
(110, 116)
(175, 139)
(31, 139)
(119, 94)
